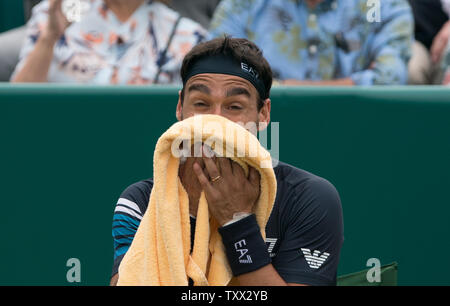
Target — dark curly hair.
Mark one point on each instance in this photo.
(241, 49)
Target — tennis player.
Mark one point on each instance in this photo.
(304, 234)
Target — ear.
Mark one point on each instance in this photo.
(179, 110)
(264, 115)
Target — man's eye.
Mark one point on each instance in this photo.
(200, 104)
(235, 107)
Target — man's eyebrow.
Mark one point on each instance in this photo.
(200, 87)
(237, 91)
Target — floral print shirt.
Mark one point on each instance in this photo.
(367, 41)
(100, 49)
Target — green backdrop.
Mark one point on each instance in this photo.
(66, 154)
(11, 14)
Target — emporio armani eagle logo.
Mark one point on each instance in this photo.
(315, 260)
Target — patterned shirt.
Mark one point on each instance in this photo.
(445, 65)
(100, 49)
(368, 41)
(445, 62)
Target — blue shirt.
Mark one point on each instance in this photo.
(337, 39)
(304, 233)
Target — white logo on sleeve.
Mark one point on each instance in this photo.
(271, 242)
(316, 259)
(239, 248)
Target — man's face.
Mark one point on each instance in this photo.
(225, 95)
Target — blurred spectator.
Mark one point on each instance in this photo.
(325, 42)
(28, 6)
(116, 42)
(198, 10)
(11, 42)
(445, 35)
(431, 31)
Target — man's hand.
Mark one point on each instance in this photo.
(229, 191)
(57, 22)
(190, 182)
(440, 42)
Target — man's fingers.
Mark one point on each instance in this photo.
(237, 169)
(204, 182)
(225, 166)
(210, 165)
(253, 177)
(199, 161)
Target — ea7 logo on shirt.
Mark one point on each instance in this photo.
(315, 260)
(239, 248)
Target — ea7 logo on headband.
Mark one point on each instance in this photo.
(250, 70)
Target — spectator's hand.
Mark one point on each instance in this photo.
(232, 192)
(440, 42)
(57, 22)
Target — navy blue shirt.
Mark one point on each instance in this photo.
(304, 233)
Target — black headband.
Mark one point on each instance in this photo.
(223, 64)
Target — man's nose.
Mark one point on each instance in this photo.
(216, 110)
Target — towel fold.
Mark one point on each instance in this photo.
(160, 253)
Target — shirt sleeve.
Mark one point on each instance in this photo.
(390, 47)
(310, 249)
(128, 214)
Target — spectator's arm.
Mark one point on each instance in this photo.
(390, 47)
(37, 63)
(43, 31)
(440, 42)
